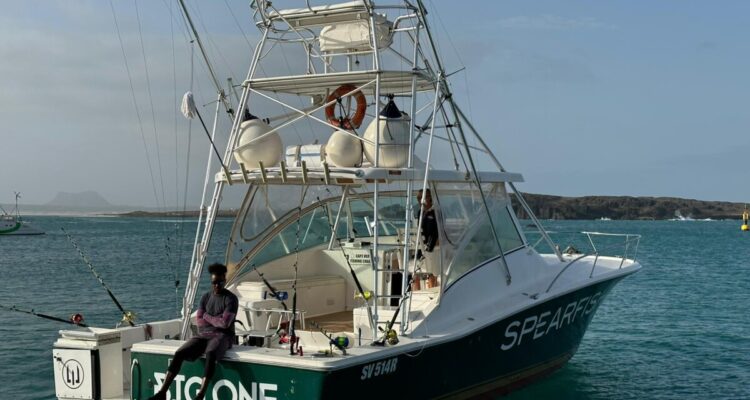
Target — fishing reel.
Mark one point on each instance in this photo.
(76, 318)
(367, 295)
(391, 337)
(128, 317)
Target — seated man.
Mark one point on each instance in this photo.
(215, 319)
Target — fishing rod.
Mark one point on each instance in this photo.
(294, 344)
(366, 295)
(75, 319)
(388, 333)
(340, 342)
(127, 316)
(274, 293)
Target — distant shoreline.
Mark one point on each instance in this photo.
(574, 208)
(627, 208)
(180, 214)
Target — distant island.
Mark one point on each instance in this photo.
(587, 207)
(88, 199)
(626, 207)
(187, 214)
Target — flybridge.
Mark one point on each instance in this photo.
(356, 176)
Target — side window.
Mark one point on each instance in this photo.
(478, 244)
(507, 233)
(391, 215)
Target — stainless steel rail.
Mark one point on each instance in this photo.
(631, 241)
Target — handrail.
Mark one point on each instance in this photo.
(132, 367)
(629, 239)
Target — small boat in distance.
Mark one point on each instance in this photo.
(13, 224)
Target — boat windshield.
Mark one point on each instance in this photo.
(467, 233)
(277, 220)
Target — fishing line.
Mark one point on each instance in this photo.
(127, 316)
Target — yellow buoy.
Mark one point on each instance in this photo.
(745, 217)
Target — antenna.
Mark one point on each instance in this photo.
(18, 196)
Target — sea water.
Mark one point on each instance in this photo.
(679, 329)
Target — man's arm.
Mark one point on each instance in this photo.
(200, 315)
(226, 319)
(430, 231)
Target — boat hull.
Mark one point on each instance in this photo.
(17, 229)
(496, 359)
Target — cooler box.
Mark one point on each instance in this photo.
(88, 365)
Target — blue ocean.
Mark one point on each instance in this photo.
(679, 329)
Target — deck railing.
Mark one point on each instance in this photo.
(629, 246)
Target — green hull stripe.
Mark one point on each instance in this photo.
(497, 358)
(9, 230)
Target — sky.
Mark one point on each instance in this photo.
(638, 98)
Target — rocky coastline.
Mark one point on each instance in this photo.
(577, 208)
(627, 208)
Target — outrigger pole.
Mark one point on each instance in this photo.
(200, 248)
(222, 96)
(449, 96)
(460, 115)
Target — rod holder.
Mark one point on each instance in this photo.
(245, 178)
(262, 172)
(326, 173)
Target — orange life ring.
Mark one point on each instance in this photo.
(345, 122)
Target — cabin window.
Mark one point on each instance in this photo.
(267, 223)
(391, 215)
(313, 229)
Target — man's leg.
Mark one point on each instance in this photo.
(190, 351)
(215, 351)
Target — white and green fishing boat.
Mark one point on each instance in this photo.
(340, 295)
(12, 224)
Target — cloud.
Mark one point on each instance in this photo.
(518, 65)
(68, 110)
(552, 22)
